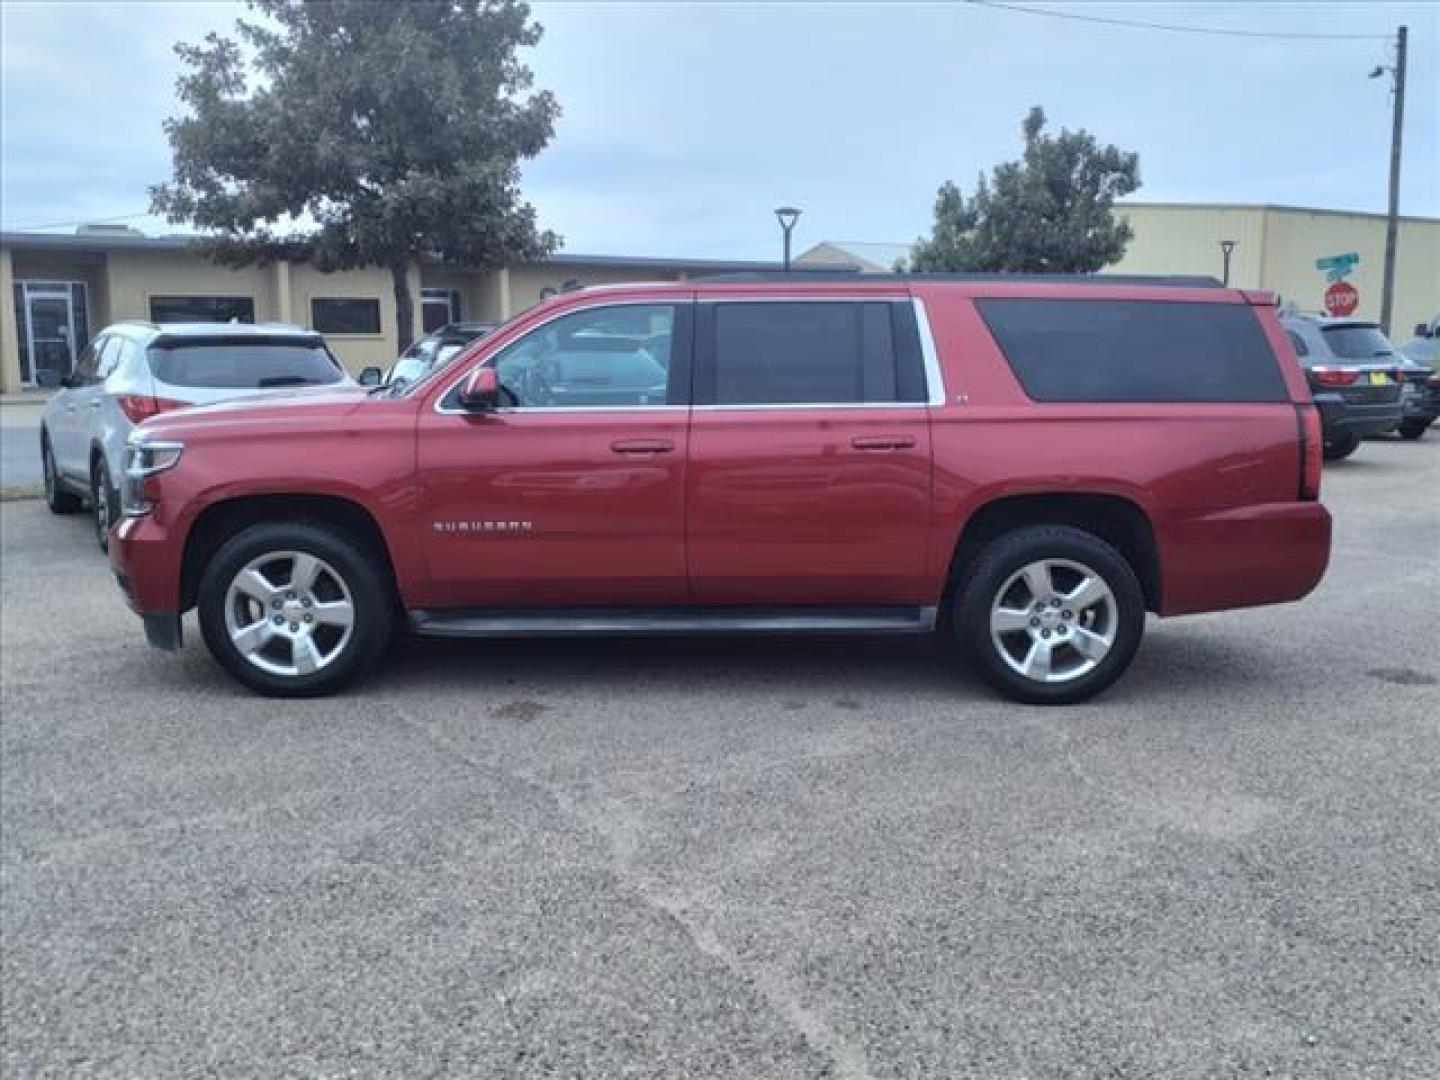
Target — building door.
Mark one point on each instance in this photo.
(53, 326)
(438, 307)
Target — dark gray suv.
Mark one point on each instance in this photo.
(1355, 378)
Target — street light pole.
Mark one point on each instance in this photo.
(1226, 247)
(1392, 222)
(787, 216)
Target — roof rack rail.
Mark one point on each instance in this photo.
(802, 274)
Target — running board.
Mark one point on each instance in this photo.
(660, 622)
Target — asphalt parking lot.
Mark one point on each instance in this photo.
(754, 859)
(20, 443)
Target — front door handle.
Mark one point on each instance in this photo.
(883, 442)
(642, 446)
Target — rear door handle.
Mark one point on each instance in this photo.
(883, 442)
(642, 446)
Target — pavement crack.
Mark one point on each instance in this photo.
(620, 837)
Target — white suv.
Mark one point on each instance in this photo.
(133, 370)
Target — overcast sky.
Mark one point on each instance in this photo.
(685, 124)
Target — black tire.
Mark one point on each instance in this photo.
(1341, 446)
(57, 498)
(352, 564)
(997, 568)
(1413, 429)
(104, 501)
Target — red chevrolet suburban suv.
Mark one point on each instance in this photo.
(1026, 465)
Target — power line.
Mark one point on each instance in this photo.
(1212, 30)
(86, 221)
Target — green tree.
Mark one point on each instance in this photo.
(353, 133)
(1049, 212)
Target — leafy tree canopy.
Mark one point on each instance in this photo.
(1049, 212)
(396, 128)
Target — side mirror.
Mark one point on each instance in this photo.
(480, 392)
(372, 376)
(1422, 330)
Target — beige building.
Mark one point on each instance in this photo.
(65, 288)
(1275, 247)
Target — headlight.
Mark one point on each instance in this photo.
(143, 459)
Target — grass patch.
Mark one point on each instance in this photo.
(18, 492)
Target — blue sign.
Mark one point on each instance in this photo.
(1338, 267)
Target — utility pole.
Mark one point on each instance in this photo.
(1392, 223)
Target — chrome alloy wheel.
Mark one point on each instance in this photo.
(1054, 620)
(289, 613)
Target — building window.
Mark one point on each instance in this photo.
(211, 309)
(438, 307)
(348, 315)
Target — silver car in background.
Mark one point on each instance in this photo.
(132, 371)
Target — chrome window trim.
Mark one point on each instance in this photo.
(560, 408)
(800, 405)
(503, 410)
(934, 380)
(885, 298)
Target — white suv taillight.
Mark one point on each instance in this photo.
(143, 459)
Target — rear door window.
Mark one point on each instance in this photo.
(1135, 350)
(244, 363)
(808, 353)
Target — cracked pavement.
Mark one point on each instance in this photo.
(740, 859)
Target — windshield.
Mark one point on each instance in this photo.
(1358, 342)
(255, 364)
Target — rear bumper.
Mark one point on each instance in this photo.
(146, 562)
(1266, 554)
(1341, 417)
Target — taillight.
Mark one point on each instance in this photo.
(140, 407)
(1334, 376)
(1311, 450)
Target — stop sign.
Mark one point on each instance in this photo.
(1342, 298)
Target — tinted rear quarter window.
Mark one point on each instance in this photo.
(256, 364)
(1135, 350)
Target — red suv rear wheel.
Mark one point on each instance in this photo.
(1050, 614)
